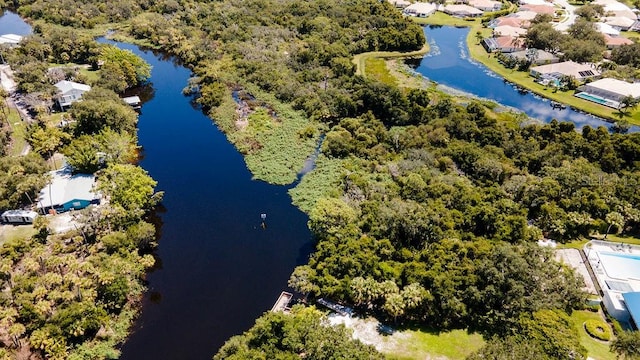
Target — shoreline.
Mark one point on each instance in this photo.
(476, 50)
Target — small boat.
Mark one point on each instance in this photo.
(557, 105)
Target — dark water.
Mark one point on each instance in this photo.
(448, 63)
(219, 268)
(11, 23)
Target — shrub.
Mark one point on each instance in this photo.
(598, 329)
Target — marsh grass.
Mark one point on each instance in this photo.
(323, 181)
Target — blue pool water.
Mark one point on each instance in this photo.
(591, 98)
(620, 265)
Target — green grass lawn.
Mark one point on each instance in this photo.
(360, 60)
(377, 68)
(598, 350)
(440, 18)
(11, 232)
(454, 345)
(18, 133)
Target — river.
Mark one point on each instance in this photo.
(448, 63)
(219, 269)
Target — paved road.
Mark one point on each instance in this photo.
(570, 16)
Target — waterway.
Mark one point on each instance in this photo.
(219, 269)
(448, 63)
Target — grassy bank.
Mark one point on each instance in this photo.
(521, 78)
(452, 345)
(275, 141)
(360, 60)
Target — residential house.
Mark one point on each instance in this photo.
(70, 92)
(503, 44)
(10, 40)
(507, 30)
(606, 29)
(420, 9)
(619, 22)
(613, 42)
(616, 9)
(67, 191)
(578, 71)
(539, 9)
(462, 10)
(612, 90)
(509, 20)
(538, 57)
(485, 5)
(400, 4)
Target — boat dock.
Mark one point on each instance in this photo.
(282, 304)
(133, 101)
(340, 309)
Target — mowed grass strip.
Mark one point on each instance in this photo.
(453, 345)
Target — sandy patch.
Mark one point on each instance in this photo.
(366, 330)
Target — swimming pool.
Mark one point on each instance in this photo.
(590, 97)
(620, 265)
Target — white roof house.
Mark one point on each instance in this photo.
(612, 89)
(10, 39)
(70, 92)
(507, 30)
(525, 14)
(462, 10)
(400, 3)
(485, 5)
(569, 68)
(619, 22)
(66, 192)
(617, 8)
(420, 9)
(606, 29)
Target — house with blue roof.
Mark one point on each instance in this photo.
(66, 191)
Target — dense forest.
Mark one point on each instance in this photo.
(425, 208)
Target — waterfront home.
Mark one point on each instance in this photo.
(578, 71)
(503, 44)
(69, 92)
(537, 56)
(420, 9)
(462, 10)
(10, 40)
(66, 191)
(611, 90)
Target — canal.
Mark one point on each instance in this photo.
(448, 63)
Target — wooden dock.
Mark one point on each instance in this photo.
(282, 304)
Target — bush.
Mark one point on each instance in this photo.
(598, 329)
